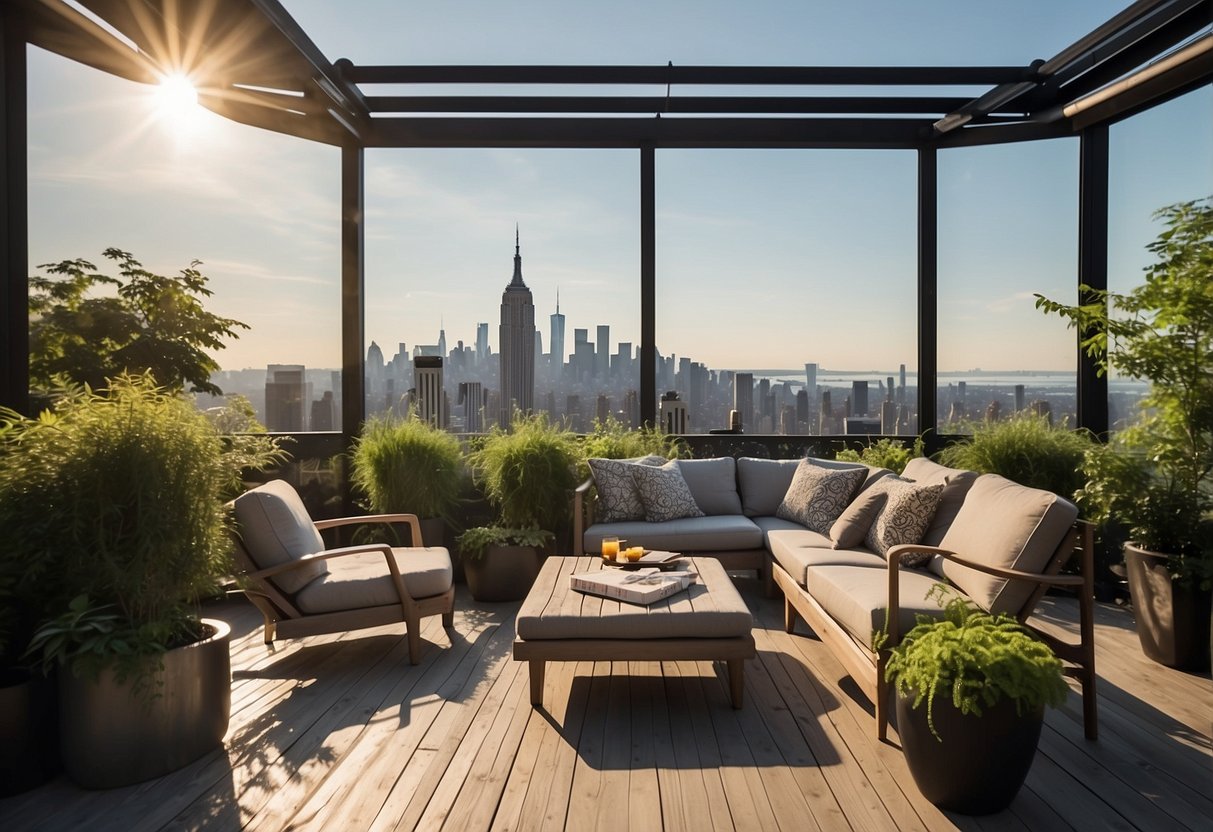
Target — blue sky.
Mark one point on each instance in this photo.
(818, 244)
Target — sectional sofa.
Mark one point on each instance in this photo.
(853, 549)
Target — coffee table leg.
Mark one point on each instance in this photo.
(736, 680)
(537, 667)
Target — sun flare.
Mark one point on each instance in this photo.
(176, 104)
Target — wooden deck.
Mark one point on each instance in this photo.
(340, 732)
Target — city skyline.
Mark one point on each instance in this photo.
(814, 245)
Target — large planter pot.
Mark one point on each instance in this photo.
(503, 573)
(982, 761)
(29, 751)
(112, 735)
(1172, 618)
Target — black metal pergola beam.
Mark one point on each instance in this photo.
(660, 104)
(14, 222)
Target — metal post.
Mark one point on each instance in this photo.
(14, 227)
(353, 261)
(928, 312)
(648, 286)
(1092, 267)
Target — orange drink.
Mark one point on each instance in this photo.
(610, 548)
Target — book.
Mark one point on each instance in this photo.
(657, 557)
(644, 586)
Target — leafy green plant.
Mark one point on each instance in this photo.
(408, 465)
(893, 454)
(977, 658)
(1156, 477)
(89, 327)
(474, 542)
(612, 440)
(118, 496)
(1025, 449)
(528, 472)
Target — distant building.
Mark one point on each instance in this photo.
(482, 343)
(428, 398)
(288, 396)
(859, 399)
(674, 415)
(324, 413)
(556, 340)
(471, 396)
(743, 398)
(517, 344)
(602, 355)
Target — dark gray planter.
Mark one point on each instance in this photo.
(1172, 618)
(503, 573)
(111, 736)
(29, 750)
(982, 761)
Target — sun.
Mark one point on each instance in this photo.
(175, 102)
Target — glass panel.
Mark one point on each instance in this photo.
(786, 289)
(446, 230)
(1157, 158)
(111, 164)
(1008, 228)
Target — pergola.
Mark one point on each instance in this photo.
(252, 63)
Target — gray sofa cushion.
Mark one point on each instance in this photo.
(664, 493)
(857, 597)
(722, 533)
(1008, 525)
(818, 495)
(956, 484)
(799, 551)
(362, 580)
(775, 524)
(275, 528)
(763, 483)
(617, 495)
(713, 484)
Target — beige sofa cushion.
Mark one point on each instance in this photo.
(799, 552)
(1008, 525)
(360, 581)
(851, 527)
(956, 484)
(275, 528)
(857, 596)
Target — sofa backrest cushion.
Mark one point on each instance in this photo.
(664, 493)
(618, 499)
(851, 527)
(956, 484)
(275, 528)
(819, 494)
(713, 484)
(1007, 525)
(763, 484)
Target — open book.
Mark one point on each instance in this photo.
(644, 586)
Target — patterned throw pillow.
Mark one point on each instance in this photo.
(617, 497)
(906, 514)
(817, 495)
(664, 493)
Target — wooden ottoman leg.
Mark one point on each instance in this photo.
(789, 616)
(736, 680)
(537, 668)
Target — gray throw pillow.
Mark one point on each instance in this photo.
(905, 516)
(852, 525)
(818, 495)
(617, 497)
(664, 493)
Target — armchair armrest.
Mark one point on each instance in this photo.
(411, 519)
(581, 510)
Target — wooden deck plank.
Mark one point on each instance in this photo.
(644, 788)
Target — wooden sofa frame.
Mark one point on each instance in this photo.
(284, 618)
(867, 667)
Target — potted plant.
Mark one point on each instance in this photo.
(971, 689)
(118, 497)
(1154, 479)
(527, 474)
(409, 466)
(501, 563)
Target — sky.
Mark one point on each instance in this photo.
(765, 258)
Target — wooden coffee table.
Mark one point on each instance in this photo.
(707, 621)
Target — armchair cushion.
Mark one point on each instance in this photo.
(362, 580)
(275, 528)
(1007, 525)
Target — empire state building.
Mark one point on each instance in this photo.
(517, 339)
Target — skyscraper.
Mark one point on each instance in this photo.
(602, 355)
(743, 398)
(428, 397)
(556, 341)
(288, 396)
(482, 342)
(517, 343)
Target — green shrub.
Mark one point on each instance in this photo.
(474, 542)
(981, 659)
(408, 465)
(893, 454)
(612, 440)
(528, 472)
(1027, 450)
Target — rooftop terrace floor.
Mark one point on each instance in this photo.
(340, 732)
